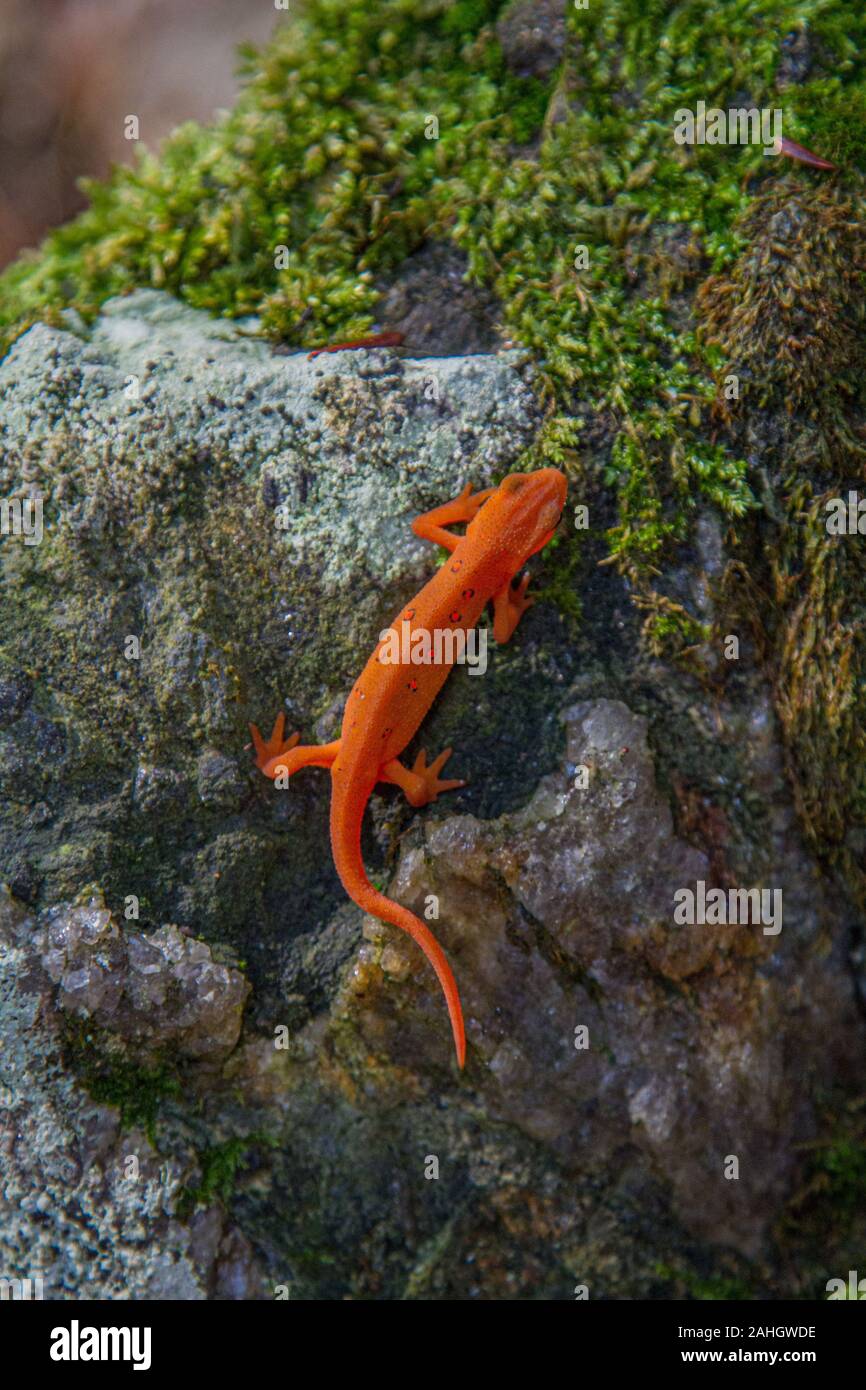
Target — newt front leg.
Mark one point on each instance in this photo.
(430, 525)
(278, 756)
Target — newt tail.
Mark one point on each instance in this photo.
(347, 812)
(375, 340)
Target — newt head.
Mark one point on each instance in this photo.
(522, 514)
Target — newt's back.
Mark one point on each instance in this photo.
(414, 658)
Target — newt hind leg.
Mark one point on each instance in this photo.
(279, 753)
(420, 784)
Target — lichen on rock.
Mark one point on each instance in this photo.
(86, 1206)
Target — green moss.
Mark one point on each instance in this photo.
(844, 1166)
(790, 320)
(325, 155)
(830, 119)
(138, 1091)
(822, 1228)
(788, 313)
(712, 1288)
(220, 1165)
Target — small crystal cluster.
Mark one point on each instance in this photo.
(159, 987)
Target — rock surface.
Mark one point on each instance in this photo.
(86, 1206)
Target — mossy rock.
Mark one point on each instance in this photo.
(454, 174)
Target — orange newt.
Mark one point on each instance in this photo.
(506, 525)
(375, 340)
